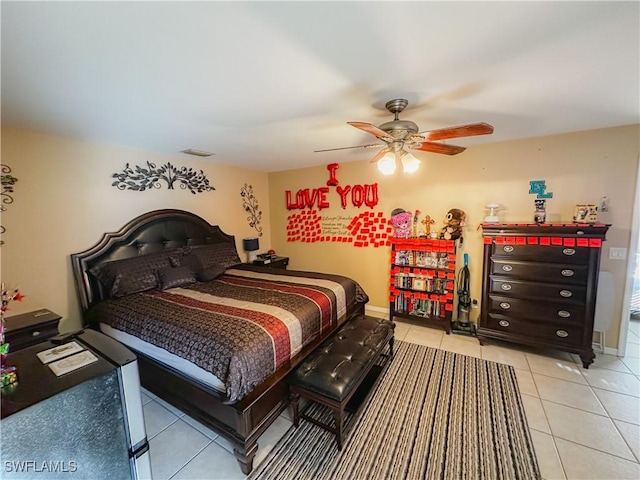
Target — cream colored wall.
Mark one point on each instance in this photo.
(64, 202)
(577, 167)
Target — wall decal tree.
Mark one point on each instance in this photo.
(141, 179)
(250, 205)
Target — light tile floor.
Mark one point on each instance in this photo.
(585, 424)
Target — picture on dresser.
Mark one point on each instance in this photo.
(585, 213)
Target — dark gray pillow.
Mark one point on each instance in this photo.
(190, 261)
(224, 254)
(172, 277)
(210, 273)
(131, 275)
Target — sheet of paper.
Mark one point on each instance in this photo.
(61, 351)
(74, 362)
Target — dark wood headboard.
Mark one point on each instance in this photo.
(152, 232)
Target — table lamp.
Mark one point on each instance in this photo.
(251, 246)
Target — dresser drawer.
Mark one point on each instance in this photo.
(545, 253)
(558, 313)
(546, 332)
(535, 290)
(544, 272)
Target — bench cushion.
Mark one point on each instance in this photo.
(340, 361)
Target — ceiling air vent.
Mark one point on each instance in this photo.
(199, 153)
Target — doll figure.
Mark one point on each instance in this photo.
(401, 221)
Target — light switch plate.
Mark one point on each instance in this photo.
(616, 253)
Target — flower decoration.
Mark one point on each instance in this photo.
(9, 375)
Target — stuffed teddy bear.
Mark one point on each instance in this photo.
(454, 221)
(401, 221)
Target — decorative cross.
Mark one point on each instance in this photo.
(427, 222)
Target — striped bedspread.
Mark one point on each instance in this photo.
(242, 326)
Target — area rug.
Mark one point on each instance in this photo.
(434, 415)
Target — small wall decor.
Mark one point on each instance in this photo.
(8, 181)
(250, 205)
(539, 187)
(141, 179)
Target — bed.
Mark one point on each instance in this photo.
(214, 337)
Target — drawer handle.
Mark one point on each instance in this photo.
(567, 273)
(505, 286)
(508, 248)
(35, 334)
(566, 293)
(507, 268)
(562, 333)
(569, 251)
(564, 314)
(503, 323)
(505, 306)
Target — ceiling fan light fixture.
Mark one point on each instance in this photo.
(410, 164)
(387, 164)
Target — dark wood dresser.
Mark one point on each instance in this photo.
(539, 285)
(30, 328)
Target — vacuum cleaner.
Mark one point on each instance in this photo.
(463, 326)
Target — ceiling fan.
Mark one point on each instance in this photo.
(402, 135)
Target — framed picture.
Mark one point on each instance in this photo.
(419, 284)
(585, 213)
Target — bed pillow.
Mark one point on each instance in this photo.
(224, 254)
(132, 275)
(172, 277)
(189, 260)
(210, 273)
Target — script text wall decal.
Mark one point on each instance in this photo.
(141, 179)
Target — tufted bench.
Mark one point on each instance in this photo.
(343, 371)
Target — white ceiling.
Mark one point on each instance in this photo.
(264, 84)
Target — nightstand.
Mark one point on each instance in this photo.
(27, 329)
(277, 262)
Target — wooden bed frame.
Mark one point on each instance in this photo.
(241, 423)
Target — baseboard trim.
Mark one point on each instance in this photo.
(372, 308)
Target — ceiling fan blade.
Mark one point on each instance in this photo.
(439, 148)
(469, 130)
(379, 155)
(370, 128)
(371, 145)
